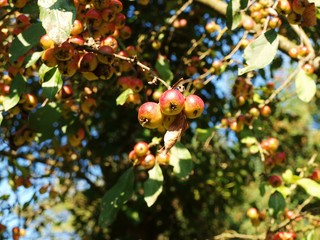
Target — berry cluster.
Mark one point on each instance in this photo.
(171, 103)
(93, 41)
(141, 157)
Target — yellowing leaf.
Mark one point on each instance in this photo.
(305, 86)
(57, 17)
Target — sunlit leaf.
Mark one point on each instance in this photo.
(116, 197)
(180, 159)
(233, 14)
(57, 17)
(153, 186)
(163, 68)
(52, 83)
(25, 41)
(260, 52)
(122, 98)
(17, 87)
(305, 86)
(276, 202)
(310, 186)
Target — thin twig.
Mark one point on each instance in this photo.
(183, 7)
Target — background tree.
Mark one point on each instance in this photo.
(159, 119)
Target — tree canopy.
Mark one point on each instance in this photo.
(151, 119)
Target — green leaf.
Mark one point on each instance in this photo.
(243, 4)
(180, 159)
(311, 235)
(153, 186)
(25, 41)
(305, 86)
(57, 17)
(310, 186)
(52, 83)
(163, 68)
(204, 133)
(277, 203)
(43, 119)
(122, 98)
(116, 197)
(33, 58)
(260, 52)
(17, 87)
(43, 70)
(288, 177)
(249, 140)
(1, 118)
(233, 14)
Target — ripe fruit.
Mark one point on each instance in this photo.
(75, 139)
(77, 28)
(294, 18)
(141, 149)
(88, 105)
(193, 106)
(149, 115)
(171, 102)
(168, 120)
(30, 102)
(64, 52)
(265, 111)
(315, 175)
(253, 213)
(293, 52)
(212, 27)
(284, 7)
(308, 68)
(275, 181)
(248, 23)
(88, 62)
(298, 6)
(46, 42)
(162, 158)
(48, 57)
(148, 161)
(105, 54)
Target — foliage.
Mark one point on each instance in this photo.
(76, 163)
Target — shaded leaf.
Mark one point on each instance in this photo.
(17, 87)
(310, 186)
(277, 203)
(243, 4)
(25, 41)
(305, 86)
(163, 68)
(260, 52)
(116, 197)
(122, 98)
(52, 83)
(233, 14)
(33, 58)
(153, 186)
(1, 118)
(43, 119)
(180, 159)
(57, 17)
